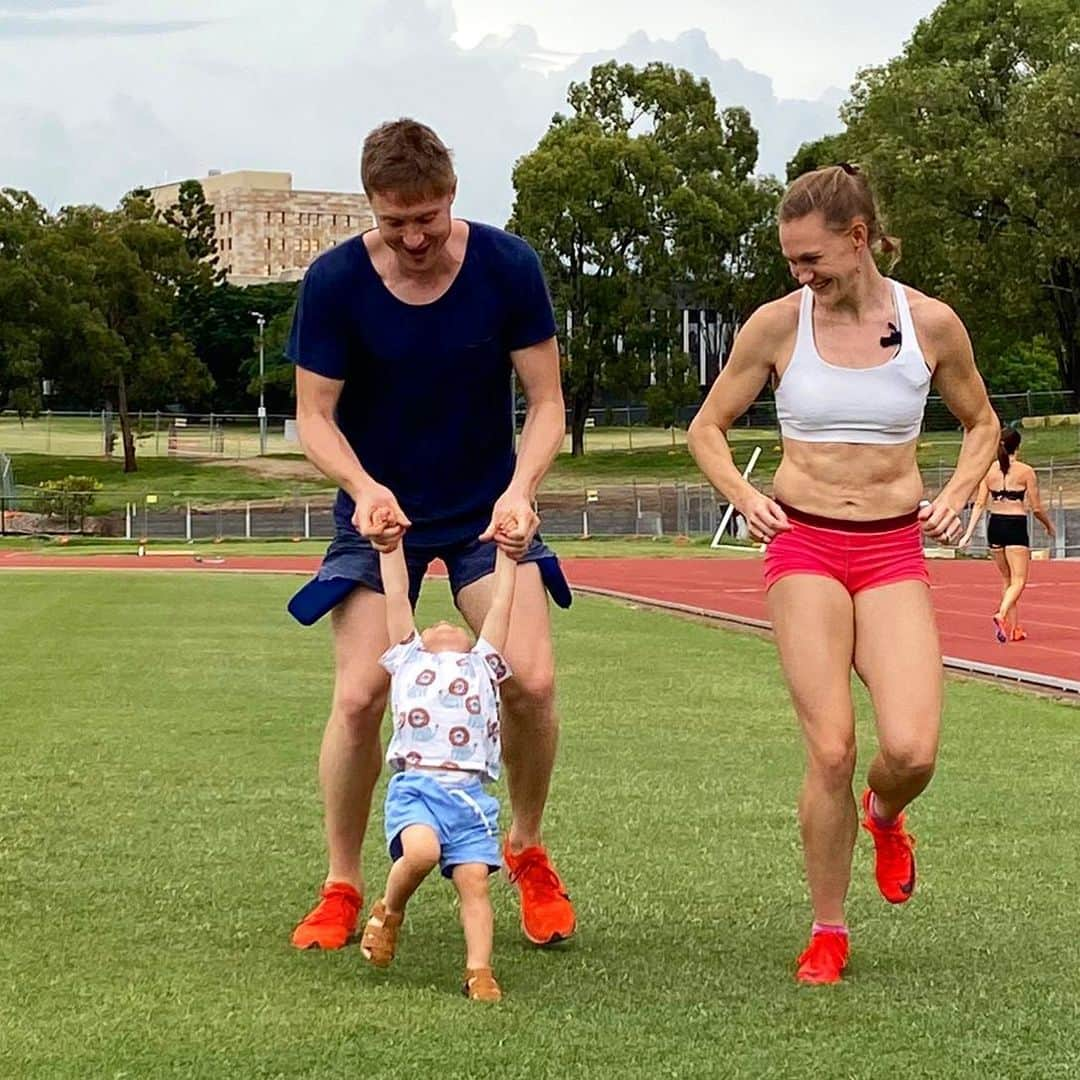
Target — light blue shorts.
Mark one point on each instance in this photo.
(464, 817)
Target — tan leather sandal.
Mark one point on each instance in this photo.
(480, 985)
(379, 942)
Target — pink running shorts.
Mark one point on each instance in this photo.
(858, 554)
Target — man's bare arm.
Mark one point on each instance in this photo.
(329, 451)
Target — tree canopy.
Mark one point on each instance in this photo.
(640, 200)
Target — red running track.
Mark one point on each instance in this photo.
(965, 594)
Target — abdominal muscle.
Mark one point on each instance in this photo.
(852, 482)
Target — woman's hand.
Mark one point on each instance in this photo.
(764, 517)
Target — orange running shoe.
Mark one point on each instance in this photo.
(824, 960)
(547, 916)
(331, 923)
(894, 855)
(1019, 635)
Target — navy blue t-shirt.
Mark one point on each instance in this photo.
(427, 404)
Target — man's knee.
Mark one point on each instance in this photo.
(532, 688)
(359, 710)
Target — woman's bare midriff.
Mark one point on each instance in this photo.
(848, 481)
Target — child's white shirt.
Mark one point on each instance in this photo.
(445, 707)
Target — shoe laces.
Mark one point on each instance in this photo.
(824, 951)
(536, 873)
(337, 906)
(896, 840)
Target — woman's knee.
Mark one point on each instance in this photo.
(832, 764)
(910, 759)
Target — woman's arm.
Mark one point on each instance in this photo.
(977, 510)
(736, 388)
(964, 393)
(1034, 501)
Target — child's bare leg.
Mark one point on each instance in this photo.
(419, 854)
(477, 919)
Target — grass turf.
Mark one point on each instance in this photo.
(160, 832)
(594, 547)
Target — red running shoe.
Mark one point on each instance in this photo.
(332, 921)
(824, 960)
(547, 916)
(894, 855)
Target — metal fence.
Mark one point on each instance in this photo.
(237, 436)
(672, 509)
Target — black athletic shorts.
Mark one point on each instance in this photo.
(1008, 530)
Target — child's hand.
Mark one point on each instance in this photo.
(379, 518)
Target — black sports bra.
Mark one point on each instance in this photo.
(1005, 493)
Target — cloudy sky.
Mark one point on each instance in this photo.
(99, 96)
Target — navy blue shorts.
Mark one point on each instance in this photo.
(351, 561)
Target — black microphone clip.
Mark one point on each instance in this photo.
(895, 338)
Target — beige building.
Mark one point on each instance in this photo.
(266, 231)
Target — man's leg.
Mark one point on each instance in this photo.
(530, 733)
(530, 729)
(349, 763)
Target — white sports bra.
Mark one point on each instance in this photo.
(820, 402)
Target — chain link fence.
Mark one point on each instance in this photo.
(612, 510)
(237, 436)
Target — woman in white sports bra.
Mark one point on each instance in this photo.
(852, 355)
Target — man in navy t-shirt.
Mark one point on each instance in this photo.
(405, 339)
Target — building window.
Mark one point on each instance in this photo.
(230, 243)
(283, 243)
(298, 247)
(268, 243)
(267, 217)
(333, 220)
(348, 222)
(315, 245)
(282, 217)
(268, 270)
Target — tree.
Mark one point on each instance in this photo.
(1023, 367)
(675, 389)
(124, 272)
(819, 154)
(193, 217)
(642, 194)
(24, 290)
(972, 141)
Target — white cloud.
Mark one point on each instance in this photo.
(259, 85)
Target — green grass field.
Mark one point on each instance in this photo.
(596, 547)
(160, 833)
